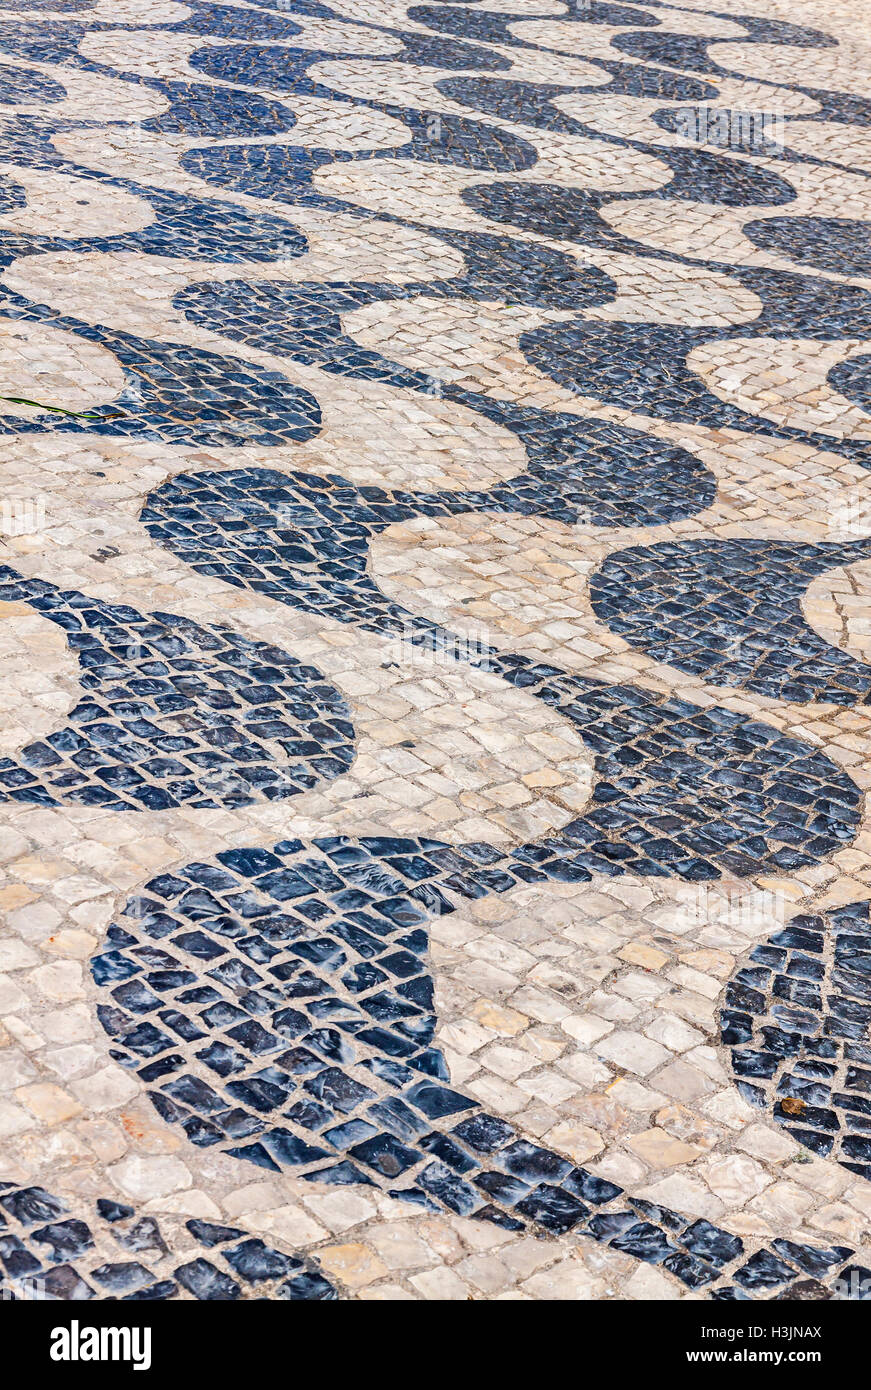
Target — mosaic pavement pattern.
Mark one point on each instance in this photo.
(434, 735)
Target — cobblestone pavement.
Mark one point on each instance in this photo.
(434, 733)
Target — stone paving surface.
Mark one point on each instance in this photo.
(436, 557)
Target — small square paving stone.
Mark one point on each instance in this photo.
(635, 1054)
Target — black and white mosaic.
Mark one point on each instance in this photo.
(797, 1024)
(175, 714)
(276, 1002)
(47, 1254)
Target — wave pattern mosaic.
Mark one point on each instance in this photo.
(434, 495)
